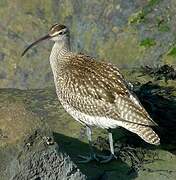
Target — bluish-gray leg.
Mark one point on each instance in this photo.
(92, 155)
(112, 155)
(89, 137)
(111, 143)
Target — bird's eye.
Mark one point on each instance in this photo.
(61, 33)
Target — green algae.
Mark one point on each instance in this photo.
(148, 42)
(170, 55)
(172, 52)
(140, 16)
(153, 2)
(163, 25)
(137, 17)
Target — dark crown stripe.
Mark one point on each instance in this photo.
(56, 27)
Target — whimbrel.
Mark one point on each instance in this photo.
(95, 93)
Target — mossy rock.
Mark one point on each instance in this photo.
(25, 112)
(98, 28)
(27, 147)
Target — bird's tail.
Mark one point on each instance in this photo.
(145, 132)
(148, 135)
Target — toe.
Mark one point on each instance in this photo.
(107, 159)
(87, 159)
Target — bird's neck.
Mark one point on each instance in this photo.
(59, 49)
(57, 56)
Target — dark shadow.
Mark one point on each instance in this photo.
(93, 170)
(160, 102)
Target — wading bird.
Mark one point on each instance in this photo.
(95, 93)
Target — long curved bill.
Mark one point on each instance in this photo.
(34, 43)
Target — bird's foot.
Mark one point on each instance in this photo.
(99, 158)
(87, 159)
(107, 159)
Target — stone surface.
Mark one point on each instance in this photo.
(128, 33)
(27, 148)
(27, 116)
(46, 164)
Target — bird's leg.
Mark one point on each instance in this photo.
(112, 156)
(92, 155)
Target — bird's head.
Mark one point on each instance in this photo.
(57, 33)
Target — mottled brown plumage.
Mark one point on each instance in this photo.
(94, 92)
(86, 79)
(97, 88)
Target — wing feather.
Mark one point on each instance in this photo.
(99, 89)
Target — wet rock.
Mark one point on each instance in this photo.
(27, 147)
(46, 164)
(127, 33)
(165, 72)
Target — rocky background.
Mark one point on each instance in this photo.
(38, 140)
(128, 33)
